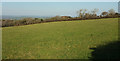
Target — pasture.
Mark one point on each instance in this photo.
(58, 40)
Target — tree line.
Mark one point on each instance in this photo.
(83, 14)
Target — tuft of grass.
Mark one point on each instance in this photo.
(58, 40)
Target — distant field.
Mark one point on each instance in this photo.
(58, 40)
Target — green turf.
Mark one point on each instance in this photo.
(58, 40)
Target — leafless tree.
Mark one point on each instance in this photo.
(104, 14)
(94, 11)
(112, 11)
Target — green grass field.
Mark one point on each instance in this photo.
(58, 40)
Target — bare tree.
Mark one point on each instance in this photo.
(104, 14)
(94, 11)
(84, 11)
(80, 13)
(112, 11)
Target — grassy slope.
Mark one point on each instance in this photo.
(67, 39)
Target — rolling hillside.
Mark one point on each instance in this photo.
(58, 40)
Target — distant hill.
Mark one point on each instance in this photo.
(21, 17)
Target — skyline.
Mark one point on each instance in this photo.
(53, 8)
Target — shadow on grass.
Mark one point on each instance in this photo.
(108, 52)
